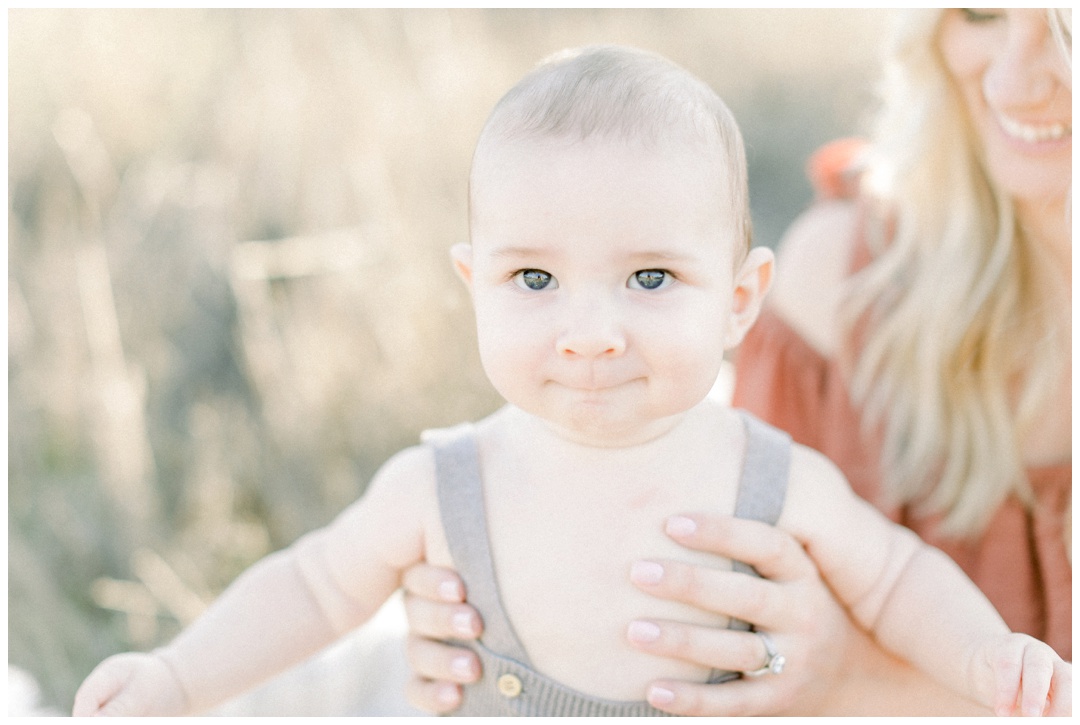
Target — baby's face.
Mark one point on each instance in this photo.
(602, 278)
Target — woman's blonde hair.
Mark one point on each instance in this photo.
(947, 324)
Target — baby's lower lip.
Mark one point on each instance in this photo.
(591, 388)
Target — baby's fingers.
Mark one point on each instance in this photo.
(1061, 690)
(99, 689)
(1008, 672)
(130, 684)
(1030, 679)
(1035, 682)
(122, 704)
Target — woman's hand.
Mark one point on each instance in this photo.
(436, 609)
(832, 666)
(790, 602)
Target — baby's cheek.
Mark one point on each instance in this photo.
(693, 361)
(510, 357)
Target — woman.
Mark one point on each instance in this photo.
(919, 333)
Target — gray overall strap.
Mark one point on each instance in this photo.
(461, 501)
(760, 497)
(764, 481)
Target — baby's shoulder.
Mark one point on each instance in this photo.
(811, 467)
(408, 474)
(808, 468)
(414, 470)
(387, 526)
(817, 491)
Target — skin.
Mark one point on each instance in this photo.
(594, 353)
(500, 215)
(436, 610)
(570, 338)
(1017, 91)
(1004, 66)
(605, 368)
(601, 274)
(597, 360)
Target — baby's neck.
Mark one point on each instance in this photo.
(522, 452)
(653, 434)
(669, 445)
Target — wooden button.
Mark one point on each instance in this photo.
(509, 685)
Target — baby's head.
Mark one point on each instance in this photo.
(609, 223)
(621, 95)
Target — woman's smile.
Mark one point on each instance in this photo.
(1034, 133)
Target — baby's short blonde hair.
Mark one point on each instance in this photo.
(620, 93)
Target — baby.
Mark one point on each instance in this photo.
(610, 269)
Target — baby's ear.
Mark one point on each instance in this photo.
(461, 254)
(752, 282)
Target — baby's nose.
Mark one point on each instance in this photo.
(592, 333)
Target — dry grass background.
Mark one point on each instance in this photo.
(229, 298)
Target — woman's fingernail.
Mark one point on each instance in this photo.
(681, 526)
(448, 694)
(463, 624)
(461, 666)
(646, 572)
(639, 631)
(450, 592)
(659, 696)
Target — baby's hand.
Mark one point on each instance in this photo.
(1029, 678)
(131, 684)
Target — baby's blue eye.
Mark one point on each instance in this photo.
(535, 279)
(650, 279)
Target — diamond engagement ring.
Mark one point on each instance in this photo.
(774, 661)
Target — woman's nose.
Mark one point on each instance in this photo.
(1021, 72)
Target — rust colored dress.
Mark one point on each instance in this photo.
(1020, 561)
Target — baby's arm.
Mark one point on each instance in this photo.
(914, 599)
(281, 610)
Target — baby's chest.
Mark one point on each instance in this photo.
(563, 569)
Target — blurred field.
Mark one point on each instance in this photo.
(229, 297)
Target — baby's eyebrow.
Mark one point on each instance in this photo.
(659, 257)
(643, 258)
(517, 251)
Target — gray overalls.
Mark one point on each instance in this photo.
(510, 686)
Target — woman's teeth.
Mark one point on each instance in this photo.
(1034, 134)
